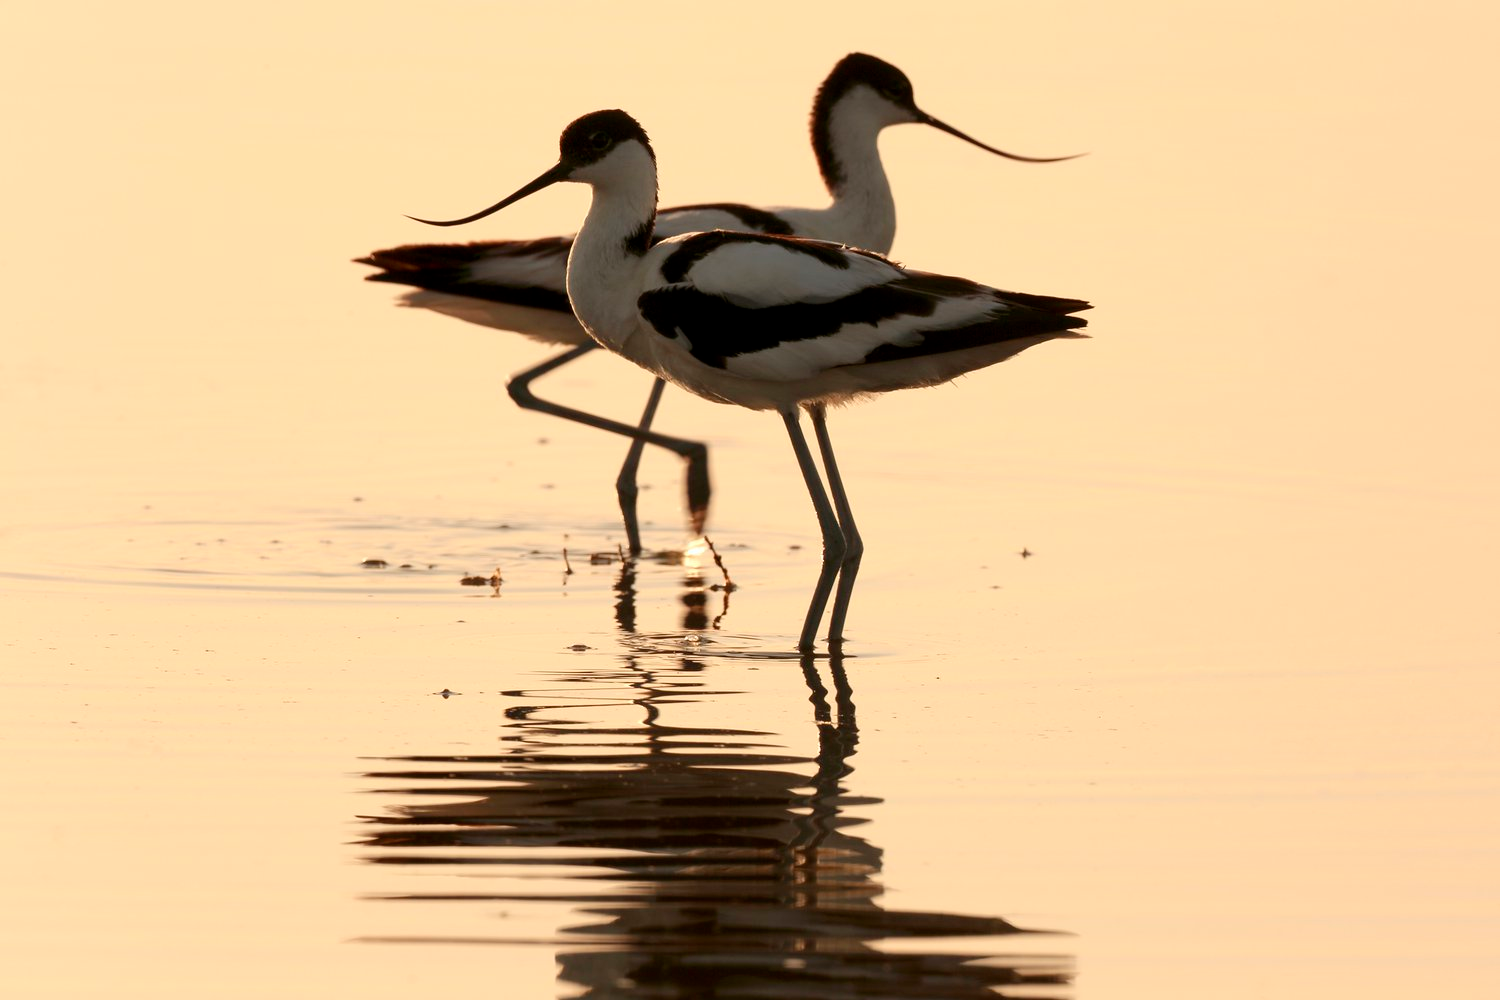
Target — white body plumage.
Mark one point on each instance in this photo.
(772, 322)
(520, 285)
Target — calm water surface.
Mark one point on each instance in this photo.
(1172, 662)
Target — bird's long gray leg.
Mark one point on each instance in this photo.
(854, 546)
(833, 536)
(625, 483)
(695, 453)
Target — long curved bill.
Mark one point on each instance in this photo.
(927, 119)
(557, 173)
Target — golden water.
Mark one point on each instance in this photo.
(1228, 726)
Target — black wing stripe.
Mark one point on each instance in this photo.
(1046, 303)
(718, 330)
(694, 248)
(445, 267)
(419, 256)
(1010, 327)
(455, 282)
(754, 219)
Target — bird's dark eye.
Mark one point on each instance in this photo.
(893, 93)
(600, 140)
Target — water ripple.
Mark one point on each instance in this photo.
(695, 860)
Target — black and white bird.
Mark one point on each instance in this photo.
(772, 322)
(519, 285)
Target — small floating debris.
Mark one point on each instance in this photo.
(374, 564)
(493, 580)
(579, 647)
(1025, 553)
(446, 693)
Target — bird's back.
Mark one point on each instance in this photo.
(768, 321)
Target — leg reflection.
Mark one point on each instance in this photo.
(698, 859)
(697, 594)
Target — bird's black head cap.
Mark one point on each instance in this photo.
(857, 68)
(592, 137)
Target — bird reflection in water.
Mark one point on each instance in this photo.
(702, 860)
(697, 590)
(700, 563)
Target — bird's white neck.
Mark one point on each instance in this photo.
(608, 254)
(849, 159)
